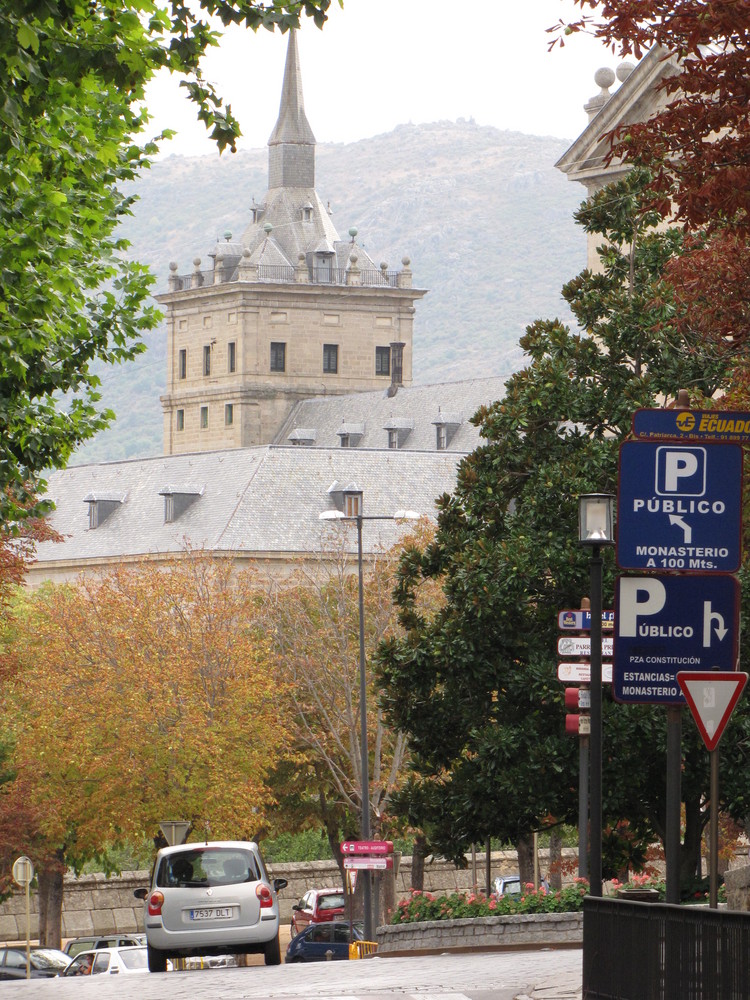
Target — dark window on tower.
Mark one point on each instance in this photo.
(330, 359)
(228, 413)
(232, 356)
(180, 420)
(207, 359)
(382, 361)
(278, 357)
(182, 364)
(204, 417)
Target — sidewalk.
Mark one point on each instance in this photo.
(556, 987)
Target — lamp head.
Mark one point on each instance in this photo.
(596, 519)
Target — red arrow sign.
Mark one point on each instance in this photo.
(367, 847)
(712, 696)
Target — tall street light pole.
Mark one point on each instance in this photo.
(595, 529)
(353, 504)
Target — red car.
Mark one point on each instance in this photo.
(317, 906)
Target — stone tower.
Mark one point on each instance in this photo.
(290, 311)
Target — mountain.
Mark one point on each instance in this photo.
(483, 215)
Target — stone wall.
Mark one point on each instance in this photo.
(95, 904)
(523, 931)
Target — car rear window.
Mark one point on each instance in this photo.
(333, 901)
(135, 959)
(209, 866)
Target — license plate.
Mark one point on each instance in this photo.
(211, 913)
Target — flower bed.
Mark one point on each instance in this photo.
(426, 906)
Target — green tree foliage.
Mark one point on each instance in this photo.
(72, 76)
(475, 685)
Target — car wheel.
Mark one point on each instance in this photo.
(157, 960)
(272, 951)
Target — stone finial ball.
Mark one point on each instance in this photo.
(604, 77)
(624, 70)
(173, 265)
(406, 261)
(196, 261)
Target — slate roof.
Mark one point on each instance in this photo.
(254, 501)
(419, 407)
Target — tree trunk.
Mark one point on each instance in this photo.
(50, 899)
(690, 850)
(418, 854)
(554, 871)
(525, 848)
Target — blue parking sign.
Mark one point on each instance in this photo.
(679, 507)
(672, 623)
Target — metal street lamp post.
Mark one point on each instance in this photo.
(353, 497)
(595, 528)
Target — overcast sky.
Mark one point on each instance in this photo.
(381, 63)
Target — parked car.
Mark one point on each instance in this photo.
(211, 899)
(510, 885)
(504, 885)
(321, 942)
(44, 962)
(109, 962)
(318, 906)
(76, 945)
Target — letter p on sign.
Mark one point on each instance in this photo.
(680, 472)
(639, 597)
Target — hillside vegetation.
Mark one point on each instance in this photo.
(482, 213)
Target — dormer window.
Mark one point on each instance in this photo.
(307, 212)
(102, 506)
(323, 267)
(303, 436)
(446, 425)
(350, 434)
(177, 499)
(399, 429)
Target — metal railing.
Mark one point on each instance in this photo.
(284, 274)
(656, 951)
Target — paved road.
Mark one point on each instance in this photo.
(541, 975)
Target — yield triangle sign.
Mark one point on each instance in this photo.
(711, 696)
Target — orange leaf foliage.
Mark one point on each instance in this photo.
(147, 694)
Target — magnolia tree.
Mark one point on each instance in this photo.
(474, 686)
(140, 694)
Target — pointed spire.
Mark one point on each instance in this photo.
(291, 147)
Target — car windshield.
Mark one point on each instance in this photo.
(332, 901)
(134, 958)
(43, 958)
(209, 866)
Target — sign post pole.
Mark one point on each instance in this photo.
(713, 824)
(23, 874)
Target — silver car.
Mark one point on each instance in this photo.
(214, 898)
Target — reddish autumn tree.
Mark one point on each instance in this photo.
(698, 146)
